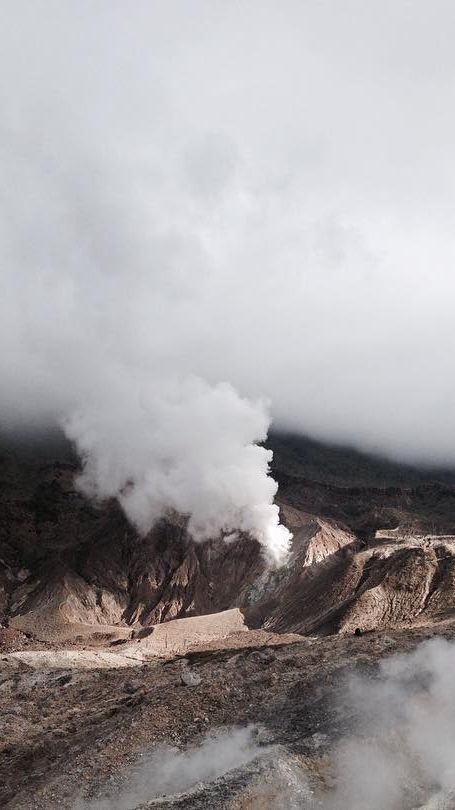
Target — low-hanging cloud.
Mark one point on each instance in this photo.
(216, 216)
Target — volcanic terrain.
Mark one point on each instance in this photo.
(113, 645)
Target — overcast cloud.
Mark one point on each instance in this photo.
(214, 213)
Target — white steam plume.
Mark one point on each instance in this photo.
(186, 446)
(402, 755)
(168, 771)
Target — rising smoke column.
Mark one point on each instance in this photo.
(184, 445)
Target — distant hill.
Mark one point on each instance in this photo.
(340, 465)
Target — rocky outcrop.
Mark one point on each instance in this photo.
(44, 607)
(406, 582)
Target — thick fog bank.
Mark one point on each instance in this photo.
(218, 216)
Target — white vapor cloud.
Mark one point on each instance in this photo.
(216, 215)
(139, 451)
(403, 751)
(168, 771)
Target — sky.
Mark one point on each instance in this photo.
(218, 215)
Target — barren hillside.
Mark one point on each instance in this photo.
(71, 568)
(114, 644)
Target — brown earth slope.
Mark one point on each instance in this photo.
(70, 569)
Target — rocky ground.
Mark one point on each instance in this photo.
(77, 734)
(155, 672)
